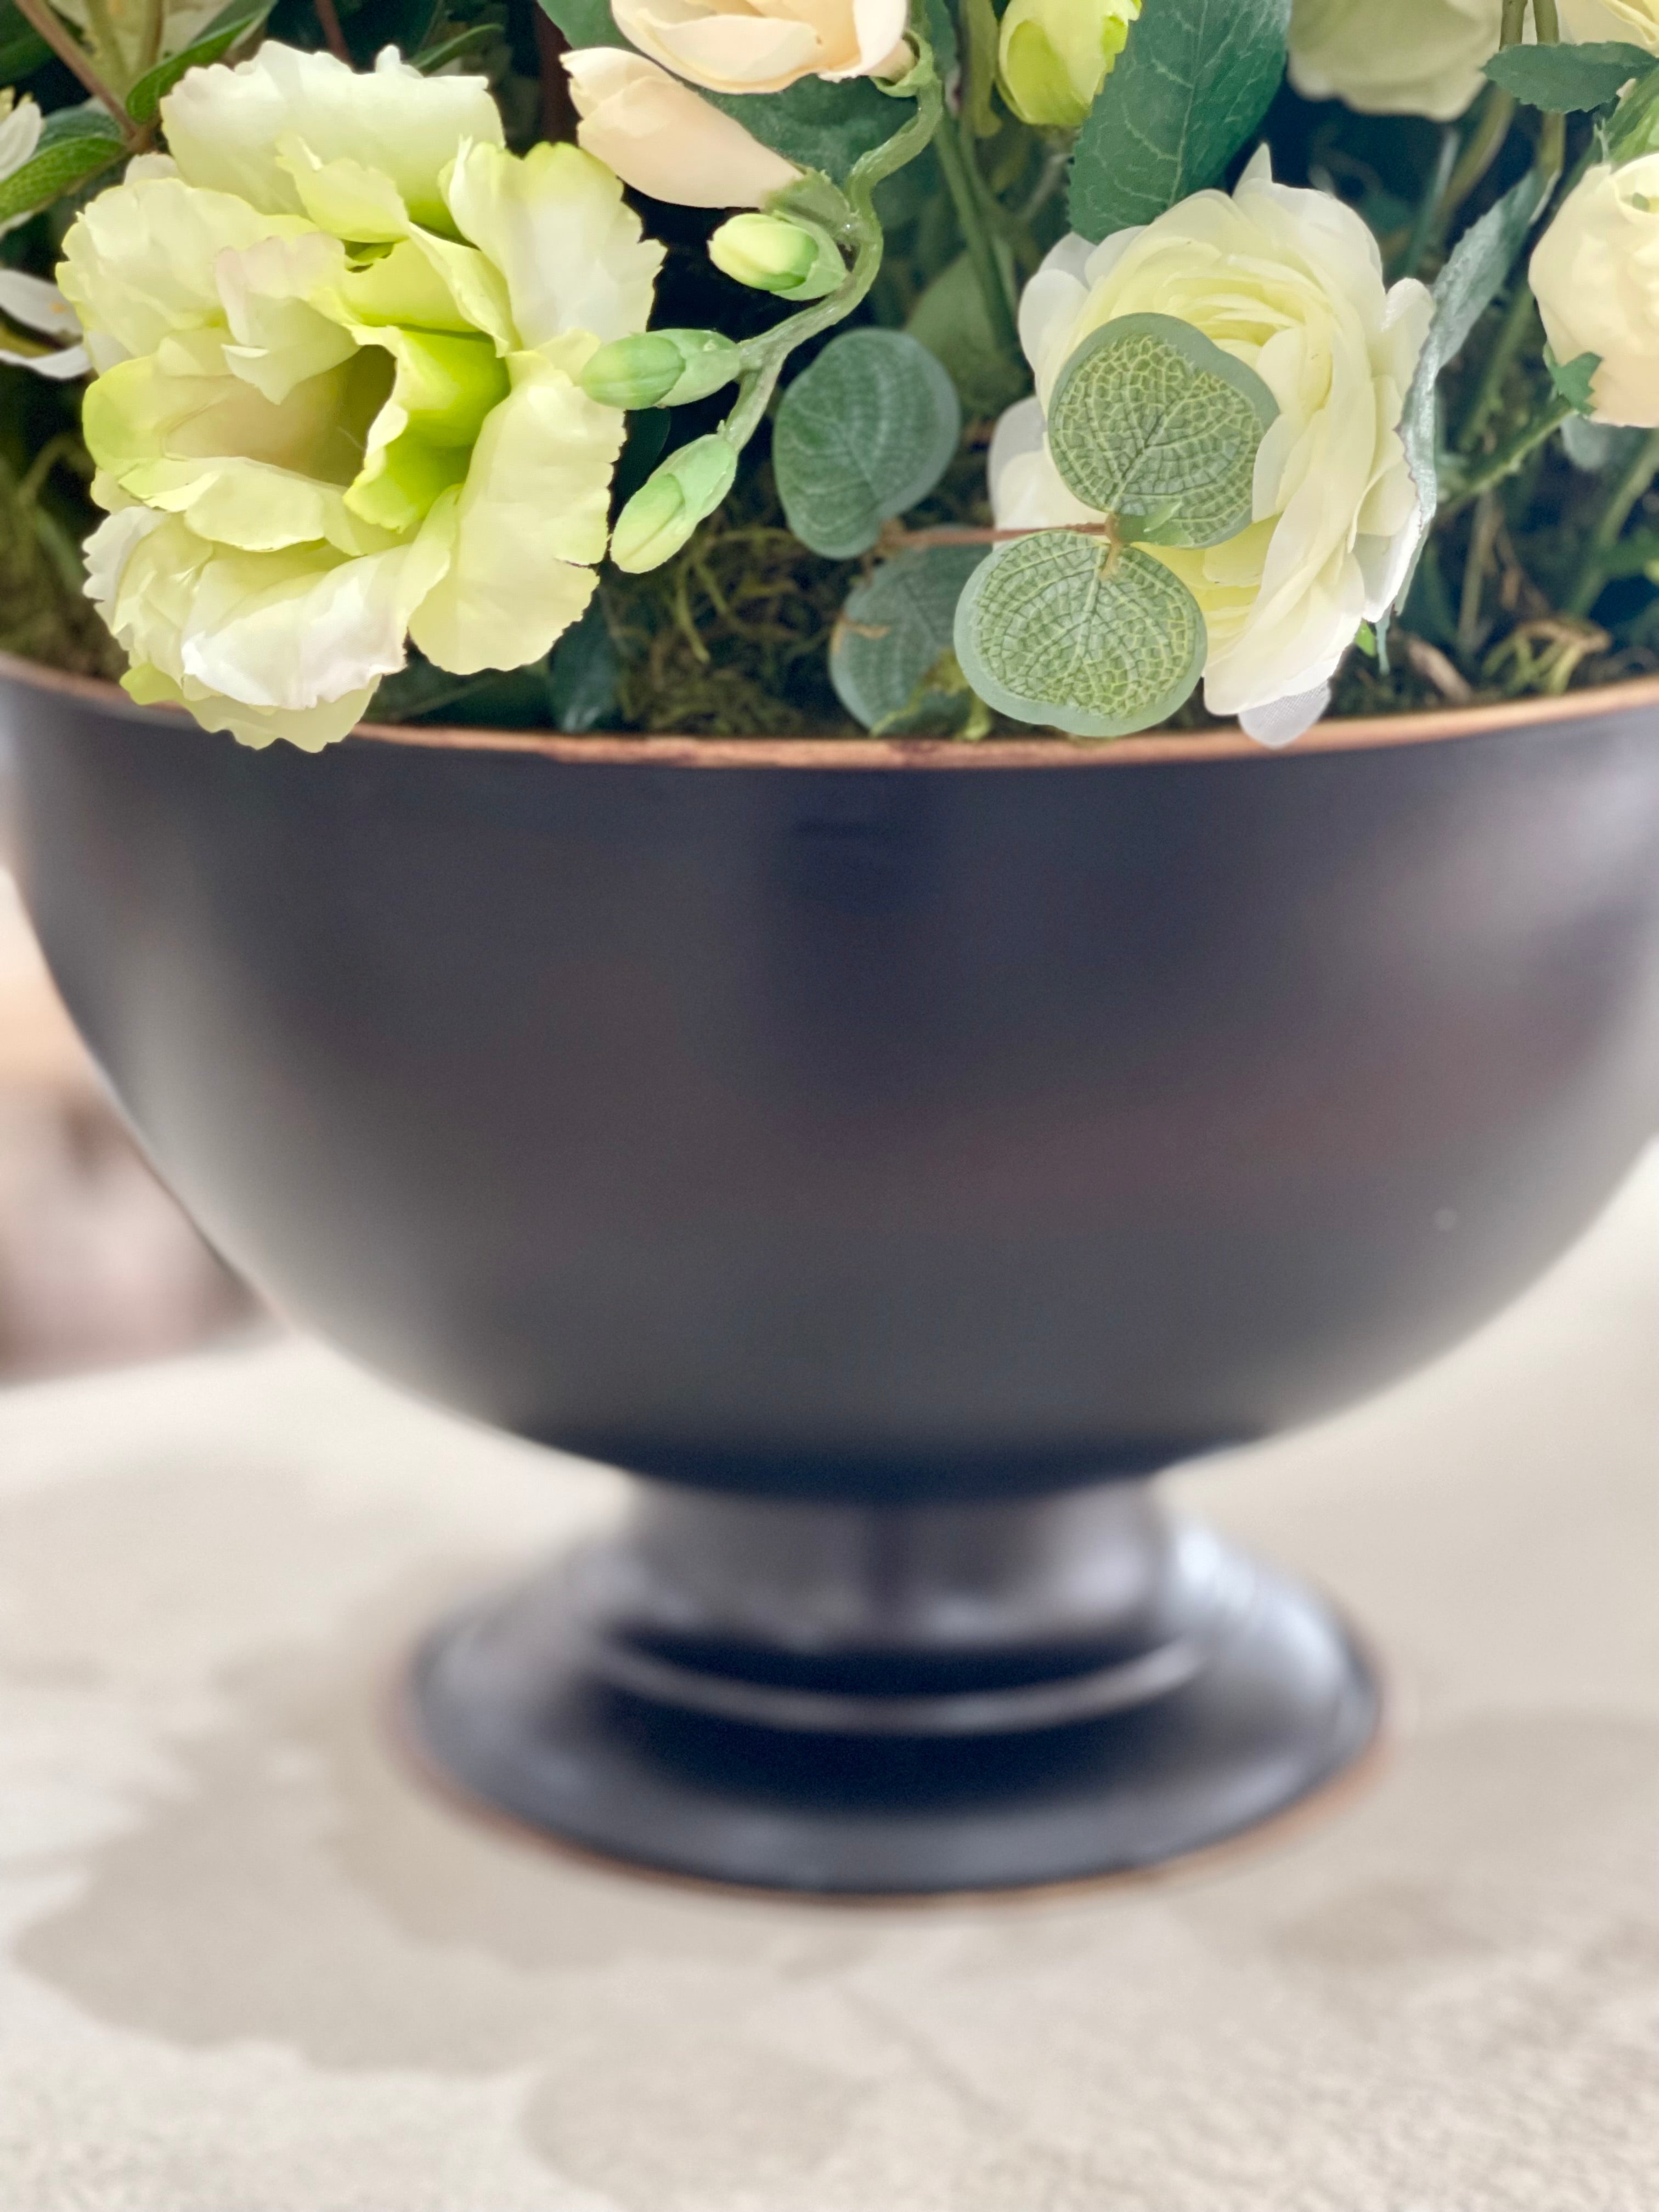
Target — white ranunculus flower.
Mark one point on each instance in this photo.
(1595, 274)
(665, 139)
(1290, 283)
(1636, 22)
(338, 334)
(764, 45)
(1400, 57)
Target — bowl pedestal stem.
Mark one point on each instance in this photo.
(887, 1699)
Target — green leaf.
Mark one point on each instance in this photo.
(1150, 421)
(867, 432)
(1472, 279)
(814, 125)
(582, 674)
(227, 29)
(1190, 86)
(951, 320)
(1063, 630)
(22, 50)
(1561, 79)
(585, 22)
(448, 50)
(1573, 379)
(896, 627)
(74, 144)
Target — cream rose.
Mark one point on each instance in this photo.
(1596, 273)
(1290, 283)
(1407, 57)
(661, 138)
(1634, 22)
(763, 45)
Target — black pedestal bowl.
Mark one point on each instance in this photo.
(893, 1156)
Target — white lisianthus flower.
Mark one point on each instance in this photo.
(1595, 275)
(1290, 283)
(1635, 22)
(1408, 57)
(663, 138)
(764, 45)
(337, 336)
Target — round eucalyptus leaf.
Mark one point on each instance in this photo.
(896, 627)
(1064, 631)
(1150, 421)
(866, 432)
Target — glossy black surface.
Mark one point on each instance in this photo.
(932, 1133)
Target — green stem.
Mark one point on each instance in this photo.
(1512, 335)
(1429, 209)
(982, 250)
(1485, 143)
(765, 357)
(1592, 571)
(1507, 458)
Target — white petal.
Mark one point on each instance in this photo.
(1285, 720)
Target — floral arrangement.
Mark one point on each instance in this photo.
(757, 366)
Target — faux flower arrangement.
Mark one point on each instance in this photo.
(760, 365)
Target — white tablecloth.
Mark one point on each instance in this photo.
(250, 1966)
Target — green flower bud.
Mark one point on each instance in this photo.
(1053, 56)
(668, 506)
(661, 368)
(779, 253)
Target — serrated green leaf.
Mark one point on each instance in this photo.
(896, 626)
(815, 124)
(74, 145)
(1472, 279)
(227, 29)
(1573, 379)
(1150, 421)
(1064, 631)
(1562, 79)
(1189, 88)
(865, 434)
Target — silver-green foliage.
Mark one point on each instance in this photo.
(867, 431)
(1068, 630)
(895, 630)
(1152, 422)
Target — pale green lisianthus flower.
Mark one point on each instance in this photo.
(337, 332)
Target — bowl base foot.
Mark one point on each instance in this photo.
(917, 1771)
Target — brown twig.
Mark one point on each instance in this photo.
(328, 17)
(74, 57)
